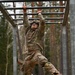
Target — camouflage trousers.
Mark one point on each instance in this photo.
(37, 58)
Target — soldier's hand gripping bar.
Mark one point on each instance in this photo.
(24, 9)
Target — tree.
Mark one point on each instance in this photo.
(5, 47)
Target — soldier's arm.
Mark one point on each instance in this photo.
(42, 23)
(25, 20)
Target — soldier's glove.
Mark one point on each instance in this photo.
(39, 12)
(24, 9)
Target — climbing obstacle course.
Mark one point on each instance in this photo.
(63, 20)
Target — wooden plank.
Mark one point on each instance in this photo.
(28, 0)
(45, 23)
(55, 18)
(6, 14)
(66, 14)
(48, 13)
(14, 51)
(64, 50)
(20, 8)
(72, 34)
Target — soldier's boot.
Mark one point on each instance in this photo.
(51, 69)
(28, 72)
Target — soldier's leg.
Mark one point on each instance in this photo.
(28, 67)
(47, 65)
(50, 67)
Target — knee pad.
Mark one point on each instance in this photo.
(47, 64)
(50, 67)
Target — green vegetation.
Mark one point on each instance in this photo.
(5, 47)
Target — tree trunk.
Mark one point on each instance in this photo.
(6, 72)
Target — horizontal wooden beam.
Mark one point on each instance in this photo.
(45, 23)
(48, 13)
(55, 18)
(20, 8)
(54, 23)
(6, 14)
(28, 0)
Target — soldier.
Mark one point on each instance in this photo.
(34, 33)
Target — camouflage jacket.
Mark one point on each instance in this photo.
(34, 38)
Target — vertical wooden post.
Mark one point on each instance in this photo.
(64, 50)
(69, 71)
(18, 39)
(14, 49)
(64, 40)
(72, 29)
(14, 52)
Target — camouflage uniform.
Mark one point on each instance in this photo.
(34, 45)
